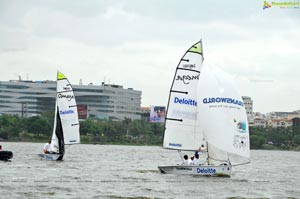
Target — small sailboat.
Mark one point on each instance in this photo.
(5, 155)
(204, 110)
(66, 123)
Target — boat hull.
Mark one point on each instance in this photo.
(50, 156)
(202, 170)
(6, 155)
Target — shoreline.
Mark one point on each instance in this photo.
(265, 146)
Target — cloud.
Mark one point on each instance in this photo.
(138, 44)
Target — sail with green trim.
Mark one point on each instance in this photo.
(181, 120)
(66, 123)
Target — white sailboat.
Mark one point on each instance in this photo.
(66, 123)
(204, 110)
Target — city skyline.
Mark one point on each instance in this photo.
(138, 44)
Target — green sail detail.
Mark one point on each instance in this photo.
(197, 48)
(60, 76)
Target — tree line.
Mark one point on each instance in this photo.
(39, 129)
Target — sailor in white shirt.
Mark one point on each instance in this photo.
(196, 159)
(46, 148)
(186, 160)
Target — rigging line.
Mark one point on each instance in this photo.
(179, 120)
(179, 92)
(240, 164)
(188, 70)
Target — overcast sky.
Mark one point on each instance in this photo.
(138, 44)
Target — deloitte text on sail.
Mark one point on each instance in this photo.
(190, 102)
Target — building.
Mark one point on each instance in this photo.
(259, 122)
(248, 102)
(280, 122)
(106, 101)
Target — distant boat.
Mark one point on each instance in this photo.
(66, 123)
(204, 110)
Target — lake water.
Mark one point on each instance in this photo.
(107, 171)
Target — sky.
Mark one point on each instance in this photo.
(138, 44)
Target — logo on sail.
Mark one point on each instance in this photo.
(240, 142)
(186, 79)
(69, 97)
(241, 126)
(67, 88)
(184, 101)
(190, 66)
(66, 112)
(175, 144)
(223, 100)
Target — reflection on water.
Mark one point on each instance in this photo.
(106, 171)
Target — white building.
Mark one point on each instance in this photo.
(106, 101)
(248, 103)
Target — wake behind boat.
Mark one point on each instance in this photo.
(66, 123)
(204, 110)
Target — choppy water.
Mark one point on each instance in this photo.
(106, 171)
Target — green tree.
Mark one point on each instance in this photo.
(256, 141)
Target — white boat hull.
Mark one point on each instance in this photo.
(50, 156)
(201, 170)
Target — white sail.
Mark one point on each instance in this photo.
(66, 124)
(67, 108)
(222, 115)
(181, 118)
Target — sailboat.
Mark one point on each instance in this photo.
(66, 123)
(205, 112)
(5, 155)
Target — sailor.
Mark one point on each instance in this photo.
(46, 148)
(186, 160)
(196, 159)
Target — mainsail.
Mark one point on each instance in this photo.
(66, 124)
(181, 118)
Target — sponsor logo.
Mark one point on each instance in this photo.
(206, 170)
(241, 142)
(187, 78)
(223, 100)
(67, 88)
(189, 102)
(66, 112)
(175, 144)
(69, 97)
(241, 126)
(190, 66)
